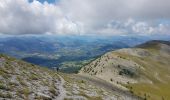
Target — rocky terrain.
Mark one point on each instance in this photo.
(137, 73)
(24, 81)
(144, 69)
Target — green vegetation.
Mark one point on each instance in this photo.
(73, 66)
(25, 91)
(152, 82)
(7, 95)
(4, 73)
(21, 81)
(34, 77)
(3, 87)
(126, 72)
(150, 69)
(157, 72)
(151, 91)
(53, 90)
(111, 79)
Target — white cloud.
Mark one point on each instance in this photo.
(22, 17)
(131, 26)
(85, 17)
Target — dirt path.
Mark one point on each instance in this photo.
(103, 84)
(122, 94)
(62, 91)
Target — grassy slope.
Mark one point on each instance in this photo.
(21, 80)
(160, 88)
(156, 69)
(24, 81)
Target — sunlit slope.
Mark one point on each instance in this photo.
(144, 69)
(24, 81)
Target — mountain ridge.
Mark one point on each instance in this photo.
(144, 64)
(20, 80)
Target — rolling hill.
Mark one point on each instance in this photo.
(144, 69)
(20, 80)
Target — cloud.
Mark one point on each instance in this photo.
(22, 17)
(97, 14)
(131, 26)
(112, 17)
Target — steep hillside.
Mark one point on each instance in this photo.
(23, 81)
(144, 69)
